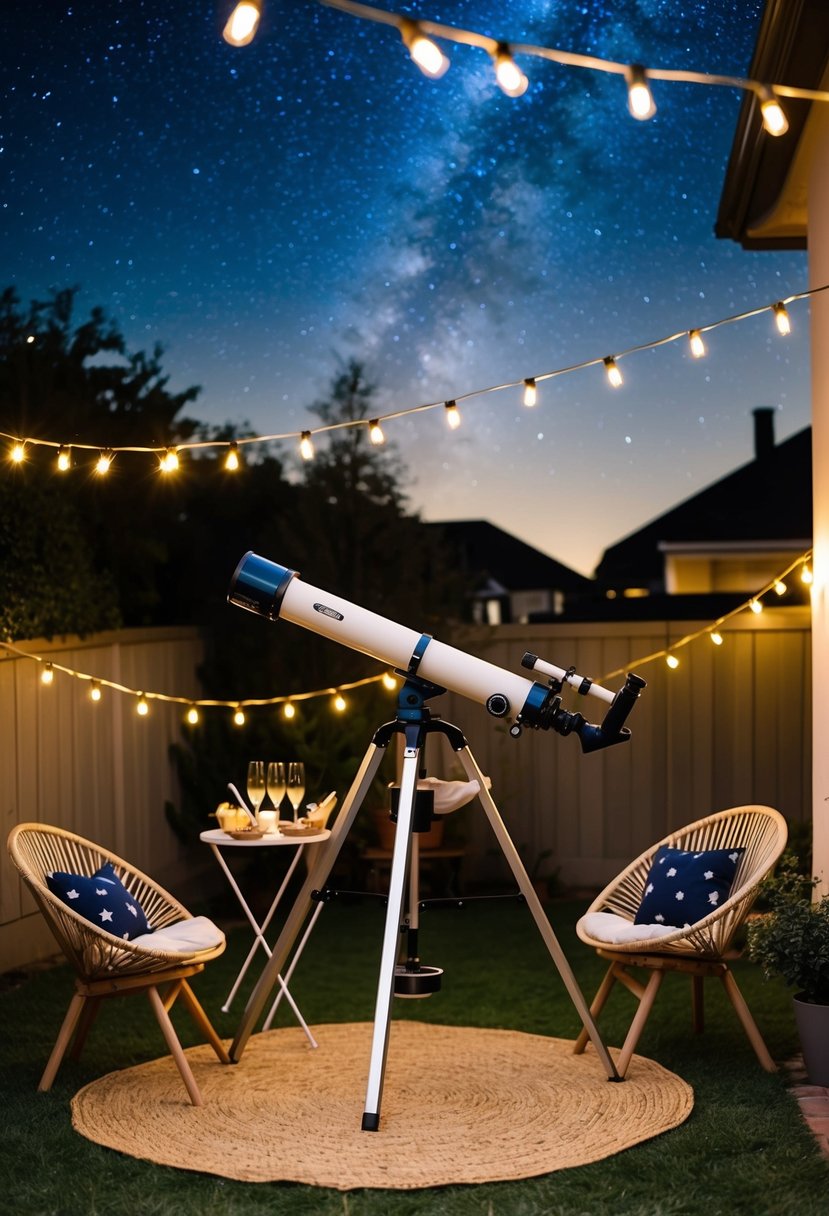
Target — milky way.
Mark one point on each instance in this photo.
(267, 211)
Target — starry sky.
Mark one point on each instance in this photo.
(267, 212)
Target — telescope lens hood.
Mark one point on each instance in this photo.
(259, 585)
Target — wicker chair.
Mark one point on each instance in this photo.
(698, 950)
(105, 965)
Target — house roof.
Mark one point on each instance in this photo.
(763, 201)
(498, 559)
(767, 500)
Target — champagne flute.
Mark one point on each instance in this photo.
(256, 785)
(277, 784)
(296, 785)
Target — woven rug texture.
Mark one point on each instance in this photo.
(460, 1105)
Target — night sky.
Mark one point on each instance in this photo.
(266, 212)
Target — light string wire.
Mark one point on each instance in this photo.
(162, 450)
(240, 704)
(451, 33)
(713, 626)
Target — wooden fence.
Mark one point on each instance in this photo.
(731, 725)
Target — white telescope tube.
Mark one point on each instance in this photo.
(278, 593)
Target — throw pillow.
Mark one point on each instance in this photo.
(102, 899)
(683, 887)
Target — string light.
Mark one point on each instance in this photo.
(339, 702)
(142, 708)
(697, 344)
(169, 461)
(104, 462)
(614, 376)
(716, 637)
(64, 460)
(672, 661)
(511, 79)
(426, 54)
(242, 23)
(232, 458)
(756, 607)
(453, 417)
(239, 716)
(375, 433)
(530, 392)
(47, 676)
(389, 682)
(780, 587)
(233, 448)
(806, 575)
(192, 716)
(781, 318)
(774, 120)
(288, 710)
(18, 452)
(306, 446)
(640, 100)
(95, 691)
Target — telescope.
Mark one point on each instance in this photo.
(277, 593)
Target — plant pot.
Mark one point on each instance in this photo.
(813, 1028)
(385, 830)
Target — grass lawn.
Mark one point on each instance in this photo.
(745, 1149)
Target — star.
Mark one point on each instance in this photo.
(672, 872)
(102, 891)
(680, 894)
(714, 898)
(132, 908)
(708, 874)
(105, 915)
(73, 894)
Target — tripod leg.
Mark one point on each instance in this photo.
(325, 857)
(391, 935)
(534, 904)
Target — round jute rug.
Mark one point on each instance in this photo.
(460, 1105)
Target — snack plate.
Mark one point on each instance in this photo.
(247, 834)
(297, 829)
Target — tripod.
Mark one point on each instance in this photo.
(415, 722)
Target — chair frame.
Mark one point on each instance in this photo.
(105, 965)
(698, 951)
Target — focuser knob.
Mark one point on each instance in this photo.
(498, 705)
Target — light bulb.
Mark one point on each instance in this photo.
(169, 461)
(780, 587)
(510, 78)
(426, 54)
(339, 703)
(672, 661)
(640, 99)
(242, 23)
(453, 417)
(30, 339)
(232, 458)
(530, 392)
(697, 344)
(306, 446)
(142, 708)
(95, 691)
(48, 674)
(781, 318)
(806, 575)
(375, 433)
(238, 716)
(18, 452)
(389, 682)
(289, 711)
(64, 458)
(716, 637)
(756, 607)
(102, 465)
(774, 120)
(613, 373)
(192, 716)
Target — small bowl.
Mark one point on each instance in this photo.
(247, 834)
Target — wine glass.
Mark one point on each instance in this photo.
(296, 784)
(256, 784)
(276, 784)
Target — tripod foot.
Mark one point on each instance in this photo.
(371, 1123)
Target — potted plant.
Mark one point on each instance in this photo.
(791, 940)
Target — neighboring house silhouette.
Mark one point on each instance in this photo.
(511, 581)
(725, 541)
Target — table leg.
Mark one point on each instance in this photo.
(290, 971)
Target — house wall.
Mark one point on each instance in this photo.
(97, 769)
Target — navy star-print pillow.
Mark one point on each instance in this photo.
(683, 887)
(102, 899)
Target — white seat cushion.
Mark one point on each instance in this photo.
(613, 929)
(183, 937)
